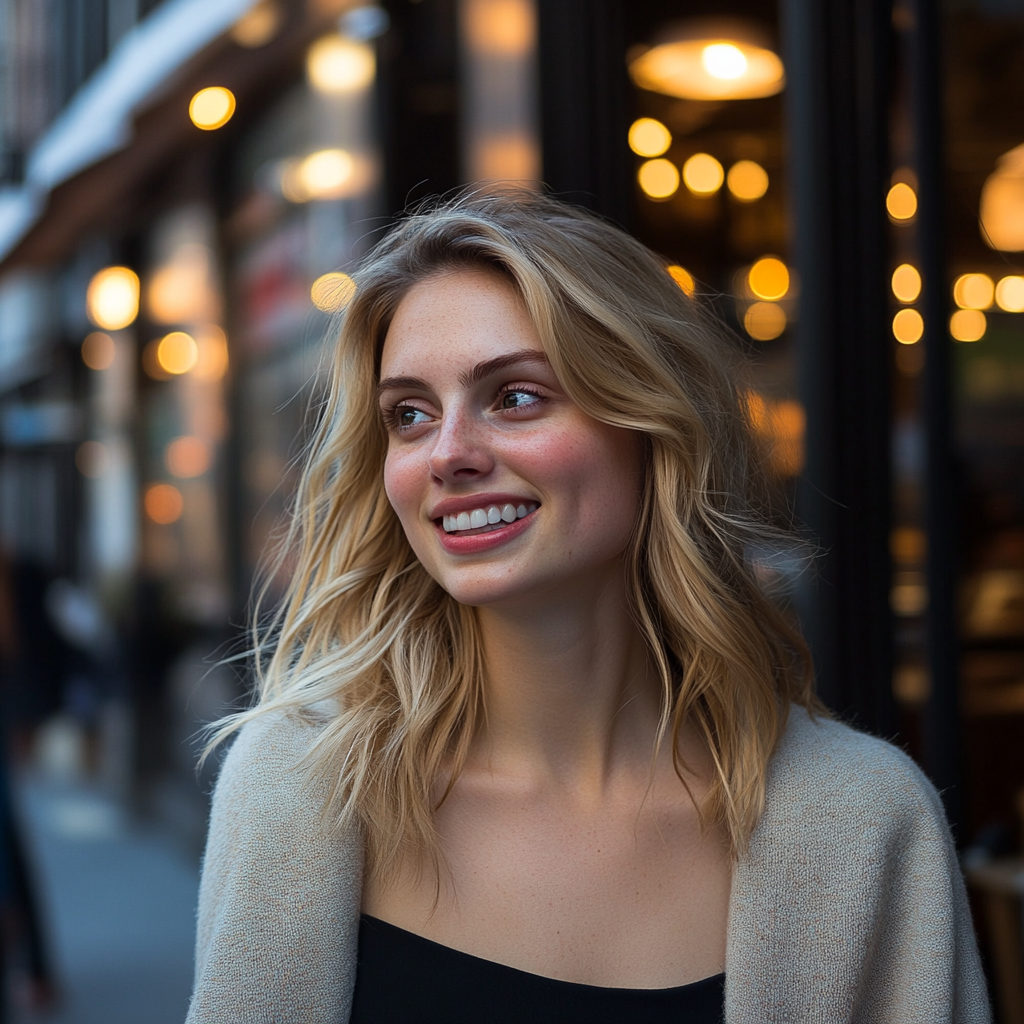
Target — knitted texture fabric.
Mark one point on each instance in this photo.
(849, 905)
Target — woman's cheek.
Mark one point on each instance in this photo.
(400, 485)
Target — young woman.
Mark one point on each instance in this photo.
(532, 742)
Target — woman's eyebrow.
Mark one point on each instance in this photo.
(489, 366)
(477, 374)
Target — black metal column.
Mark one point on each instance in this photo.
(942, 737)
(584, 117)
(837, 57)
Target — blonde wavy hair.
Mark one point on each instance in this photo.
(366, 633)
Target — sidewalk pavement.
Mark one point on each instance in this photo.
(118, 903)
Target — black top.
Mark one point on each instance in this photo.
(404, 978)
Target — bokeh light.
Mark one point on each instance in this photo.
(764, 321)
(112, 298)
(258, 25)
(648, 137)
(337, 65)
(212, 107)
(908, 326)
(968, 325)
(98, 351)
(703, 174)
(177, 352)
(901, 202)
(659, 178)
(906, 282)
(768, 279)
(974, 291)
(1010, 294)
(188, 456)
(747, 180)
(212, 355)
(163, 503)
(332, 292)
(683, 278)
(325, 174)
(723, 60)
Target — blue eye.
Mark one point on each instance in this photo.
(516, 398)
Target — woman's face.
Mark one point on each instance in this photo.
(505, 488)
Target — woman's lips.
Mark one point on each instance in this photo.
(484, 537)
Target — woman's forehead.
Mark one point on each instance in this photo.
(457, 317)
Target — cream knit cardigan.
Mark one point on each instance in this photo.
(849, 907)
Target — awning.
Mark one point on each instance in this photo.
(99, 119)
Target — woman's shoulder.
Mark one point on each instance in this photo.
(827, 773)
(275, 868)
(272, 742)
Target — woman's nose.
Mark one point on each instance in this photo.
(460, 451)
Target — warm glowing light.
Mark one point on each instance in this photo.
(648, 137)
(658, 178)
(508, 156)
(177, 352)
(698, 64)
(500, 28)
(1002, 203)
(769, 279)
(98, 351)
(907, 326)
(764, 321)
(901, 202)
(906, 282)
(747, 180)
(683, 278)
(337, 65)
(974, 291)
(968, 325)
(181, 290)
(326, 174)
(212, 107)
(212, 358)
(783, 423)
(723, 60)
(257, 26)
(703, 174)
(163, 503)
(908, 545)
(188, 456)
(112, 298)
(1010, 294)
(332, 292)
(91, 459)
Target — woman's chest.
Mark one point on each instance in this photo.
(637, 900)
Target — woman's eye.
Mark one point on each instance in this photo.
(408, 416)
(516, 398)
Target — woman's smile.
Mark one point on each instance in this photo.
(502, 483)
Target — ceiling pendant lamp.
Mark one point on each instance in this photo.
(1002, 203)
(710, 59)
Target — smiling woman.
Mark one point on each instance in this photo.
(531, 739)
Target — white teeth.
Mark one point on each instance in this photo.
(490, 516)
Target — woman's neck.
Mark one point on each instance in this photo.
(572, 695)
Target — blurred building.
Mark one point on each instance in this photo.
(184, 183)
